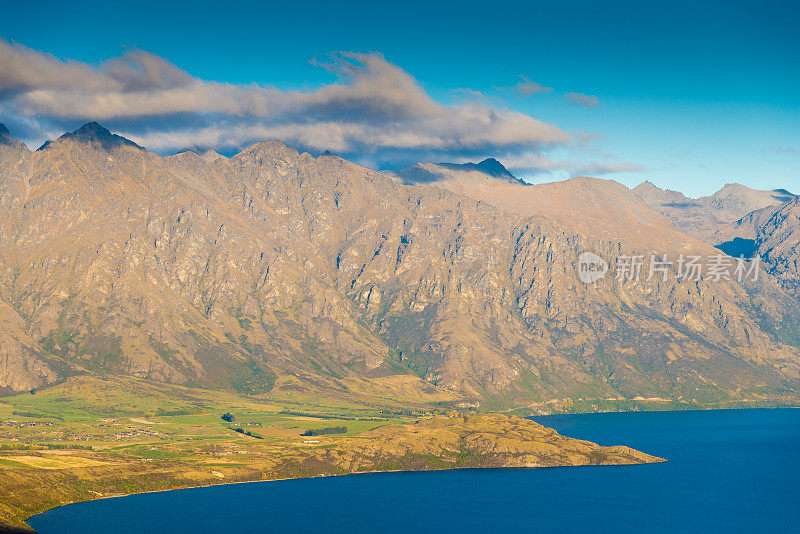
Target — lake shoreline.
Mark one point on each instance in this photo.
(685, 493)
(432, 444)
(660, 460)
(218, 482)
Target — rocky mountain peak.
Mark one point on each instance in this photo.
(267, 150)
(494, 168)
(732, 186)
(711, 215)
(735, 200)
(742, 193)
(647, 185)
(95, 134)
(489, 168)
(9, 142)
(204, 152)
(653, 195)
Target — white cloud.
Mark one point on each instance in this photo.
(529, 164)
(372, 106)
(373, 113)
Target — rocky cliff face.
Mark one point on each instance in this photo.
(773, 233)
(778, 242)
(274, 270)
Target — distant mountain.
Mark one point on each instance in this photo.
(8, 141)
(734, 201)
(770, 227)
(703, 217)
(275, 271)
(489, 166)
(488, 169)
(206, 153)
(93, 133)
(773, 233)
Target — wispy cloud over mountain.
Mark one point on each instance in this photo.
(374, 111)
(542, 164)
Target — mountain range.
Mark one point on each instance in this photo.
(705, 217)
(272, 272)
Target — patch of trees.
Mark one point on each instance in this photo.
(228, 417)
(15, 447)
(66, 446)
(37, 415)
(169, 413)
(316, 415)
(247, 433)
(33, 447)
(28, 414)
(401, 413)
(325, 431)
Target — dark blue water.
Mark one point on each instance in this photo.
(728, 471)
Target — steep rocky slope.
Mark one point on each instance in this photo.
(769, 228)
(643, 333)
(778, 243)
(277, 271)
(773, 233)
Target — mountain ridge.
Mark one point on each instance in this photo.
(702, 217)
(275, 271)
(487, 170)
(93, 132)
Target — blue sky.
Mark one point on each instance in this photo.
(689, 96)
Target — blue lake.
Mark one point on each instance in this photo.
(728, 471)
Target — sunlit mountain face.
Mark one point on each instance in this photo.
(274, 269)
